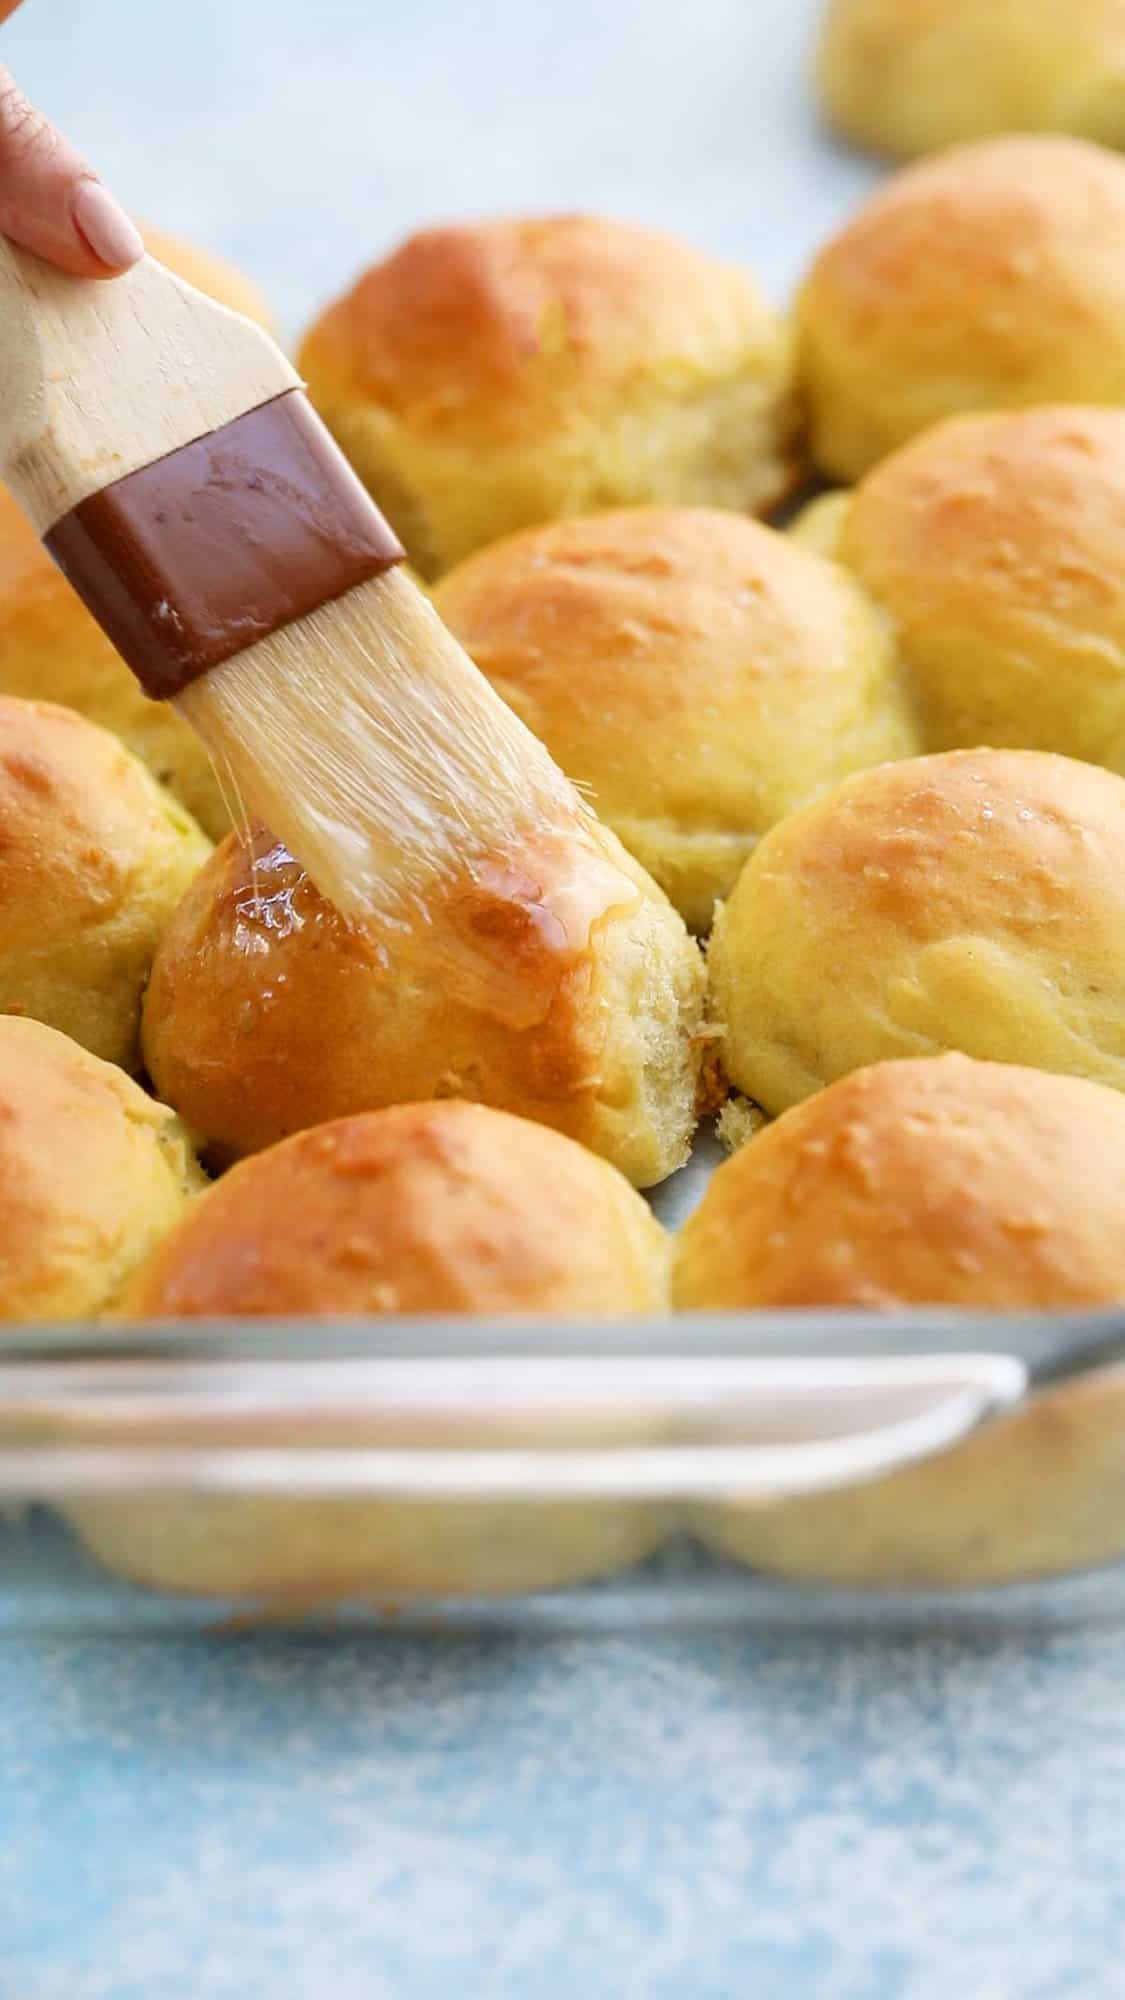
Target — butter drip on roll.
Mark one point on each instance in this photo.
(561, 986)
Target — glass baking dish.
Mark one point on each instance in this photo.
(792, 1468)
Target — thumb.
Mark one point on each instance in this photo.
(51, 202)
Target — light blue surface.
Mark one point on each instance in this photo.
(705, 1817)
(694, 1818)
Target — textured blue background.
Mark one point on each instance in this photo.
(700, 1816)
(691, 1818)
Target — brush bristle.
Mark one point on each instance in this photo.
(368, 742)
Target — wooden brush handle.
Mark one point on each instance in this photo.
(99, 377)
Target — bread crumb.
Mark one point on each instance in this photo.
(739, 1121)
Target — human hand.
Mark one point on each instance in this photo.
(50, 200)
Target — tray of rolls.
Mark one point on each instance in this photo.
(767, 1250)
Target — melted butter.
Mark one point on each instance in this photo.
(521, 926)
(502, 941)
(266, 909)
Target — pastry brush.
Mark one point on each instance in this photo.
(162, 446)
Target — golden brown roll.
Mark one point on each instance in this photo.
(1037, 1493)
(94, 858)
(309, 1551)
(422, 1208)
(973, 1185)
(51, 649)
(210, 274)
(92, 1173)
(993, 545)
(973, 901)
(989, 277)
(491, 375)
(700, 675)
(267, 1013)
(935, 1182)
(907, 76)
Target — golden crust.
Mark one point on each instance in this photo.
(92, 1174)
(942, 1181)
(1038, 1493)
(700, 675)
(907, 76)
(974, 900)
(94, 858)
(487, 376)
(51, 649)
(989, 277)
(422, 1208)
(267, 1013)
(305, 1552)
(436, 1208)
(965, 1184)
(993, 543)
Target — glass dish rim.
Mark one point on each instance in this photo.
(520, 1410)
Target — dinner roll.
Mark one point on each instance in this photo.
(935, 1182)
(423, 1208)
(51, 649)
(974, 900)
(92, 1173)
(94, 857)
(267, 1012)
(210, 274)
(974, 1185)
(989, 277)
(306, 1551)
(819, 524)
(494, 374)
(700, 675)
(994, 546)
(906, 76)
(1039, 1492)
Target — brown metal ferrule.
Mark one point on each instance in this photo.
(204, 552)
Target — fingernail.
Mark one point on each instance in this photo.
(105, 227)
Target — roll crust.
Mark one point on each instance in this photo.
(691, 668)
(431, 1208)
(977, 1186)
(993, 545)
(422, 1208)
(1040, 1492)
(935, 1182)
(974, 901)
(908, 76)
(267, 1013)
(94, 858)
(495, 374)
(92, 1174)
(991, 276)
